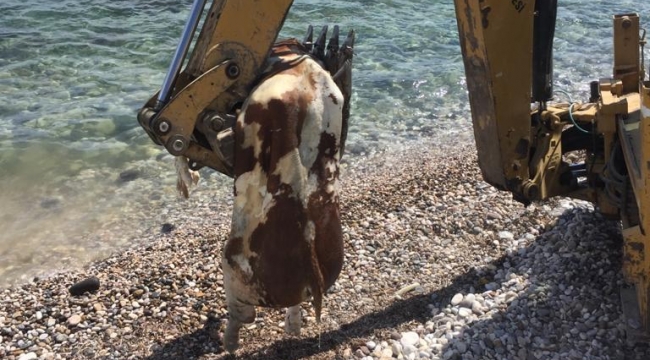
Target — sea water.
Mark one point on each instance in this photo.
(79, 178)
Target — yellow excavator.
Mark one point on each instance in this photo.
(536, 149)
(527, 143)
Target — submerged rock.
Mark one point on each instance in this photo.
(166, 228)
(50, 203)
(128, 175)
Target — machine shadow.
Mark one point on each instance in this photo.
(191, 347)
(600, 243)
(573, 270)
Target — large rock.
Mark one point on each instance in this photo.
(90, 284)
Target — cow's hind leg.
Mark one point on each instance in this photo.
(239, 314)
(293, 320)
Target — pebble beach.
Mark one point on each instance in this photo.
(438, 265)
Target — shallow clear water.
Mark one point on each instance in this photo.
(74, 73)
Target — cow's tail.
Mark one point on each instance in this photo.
(317, 284)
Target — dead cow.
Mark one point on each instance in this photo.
(285, 243)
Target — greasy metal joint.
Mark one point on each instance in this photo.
(145, 116)
(177, 145)
(626, 22)
(232, 71)
(163, 126)
(217, 122)
(530, 190)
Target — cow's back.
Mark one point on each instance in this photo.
(286, 240)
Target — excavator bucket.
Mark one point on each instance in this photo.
(496, 40)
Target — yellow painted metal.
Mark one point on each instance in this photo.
(635, 268)
(496, 41)
(546, 164)
(228, 57)
(521, 150)
(242, 31)
(626, 51)
(629, 99)
(642, 280)
(635, 139)
(184, 109)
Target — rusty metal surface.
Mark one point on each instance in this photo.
(626, 51)
(521, 150)
(468, 15)
(496, 41)
(229, 56)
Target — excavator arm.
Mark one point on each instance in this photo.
(524, 138)
(194, 112)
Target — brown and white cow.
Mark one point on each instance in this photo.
(285, 244)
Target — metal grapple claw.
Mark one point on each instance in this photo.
(331, 60)
(308, 42)
(338, 62)
(343, 79)
(319, 45)
(333, 45)
(348, 45)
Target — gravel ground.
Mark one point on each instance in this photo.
(439, 265)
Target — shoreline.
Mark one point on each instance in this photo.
(483, 277)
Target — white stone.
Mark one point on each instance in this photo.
(468, 300)
(397, 348)
(28, 356)
(506, 235)
(74, 320)
(410, 338)
(409, 350)
(464, 312)
(387, 352)
(456, 299)
(477, 308)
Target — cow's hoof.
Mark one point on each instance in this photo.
(292, 329)
(292, 321)
(231, 337)
(231, 342)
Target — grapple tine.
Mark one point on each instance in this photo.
(333, 45)
(345, 67)
(343, 79)
(331, 59)
(348, 44)
(347, 49)
(308, 43)
(319, 45)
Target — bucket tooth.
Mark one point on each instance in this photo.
(319, 45)
(348, 44)
(331, 60)
(333, 44)
(308, 42)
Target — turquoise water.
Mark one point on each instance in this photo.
(74, 73)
